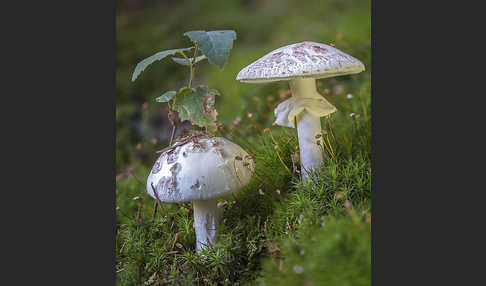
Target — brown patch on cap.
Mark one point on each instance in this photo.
(300, 55)
(157, 166)
(173, 155)
(276, 55)
(319, 50)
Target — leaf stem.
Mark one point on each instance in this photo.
(192, 66)
(185, 57)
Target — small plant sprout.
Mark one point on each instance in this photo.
(301, 64)
(193, 104)
(201, 169)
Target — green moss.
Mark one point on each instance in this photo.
(335, 252)
(255, 219)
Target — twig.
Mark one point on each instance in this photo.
(192, 66)
(157, 199)
(174, 127)
(175, 240)
(182, 141)
(154, 211)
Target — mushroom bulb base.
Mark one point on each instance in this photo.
(206, 219)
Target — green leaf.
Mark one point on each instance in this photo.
(214, 44)
(197, 106)
(183, 61)
(166, 96)
(157, 57)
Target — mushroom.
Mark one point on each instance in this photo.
(301, 64)
(200, 169)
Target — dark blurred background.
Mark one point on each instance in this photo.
(146, 27)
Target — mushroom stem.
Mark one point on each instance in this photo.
(206, 219)
(308, 126)
(304, 88)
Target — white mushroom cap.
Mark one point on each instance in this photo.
(300, 60)
(201, 169)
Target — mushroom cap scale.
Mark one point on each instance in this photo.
(300, 60)
(199, 170)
